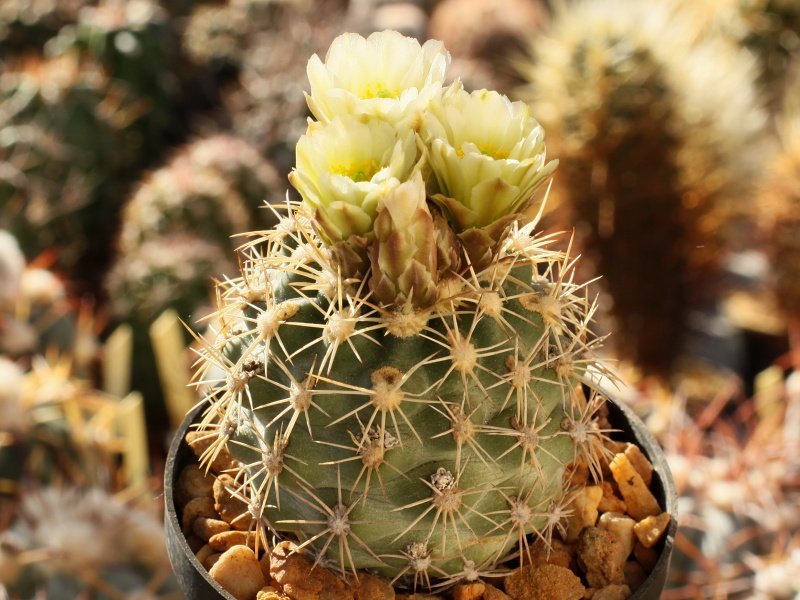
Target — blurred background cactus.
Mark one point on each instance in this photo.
(66, 134)
(780, 217)
(658, 137)
(177, 227)
(176, 238)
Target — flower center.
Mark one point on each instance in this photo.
(378, 90)
(362, 171)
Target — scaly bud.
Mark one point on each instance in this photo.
(403, 256)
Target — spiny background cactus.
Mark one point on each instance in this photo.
(36, 313)
(27, 24)
(780, 217)
(398, 368)
(66, 136)
(658, 136)
(768, 28)
(133, 42)
(67, 542)
(211, 189)
(176, 238)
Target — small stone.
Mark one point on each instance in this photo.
(650, 529)
(544, 582)
(621, 526)
(640, 463)
(192, 483)
(199, 442)
(270, 593)
(198, 507)
(492, 593)
(557, 553)
(292, 571)
(602, 556)
(204, 553)
(205, 527)
(647, 557)
(238, 572)
(610, 502)
(613, 592)
(210, 560)
(228, 539)
(372, 587)
(639, 501)
(584, 505)
(634, 574)
(231, 509)
(469, 591)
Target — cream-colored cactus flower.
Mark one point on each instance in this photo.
(345, 168)
(386, 74)
(487, 155)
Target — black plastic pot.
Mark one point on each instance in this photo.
(198, 585)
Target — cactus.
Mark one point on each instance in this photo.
(70, 542)
(36, 314)
(134, 44)
(55, 427)
(770, 29)
(400, 361)
(67, 134)
(780, 200)
(658, 133)
(177, 226)
(28, 24)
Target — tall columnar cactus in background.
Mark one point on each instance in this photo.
(780, 199)
(177, 227)
(657, 132)
(399, 364)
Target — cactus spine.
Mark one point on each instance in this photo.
(399, 365)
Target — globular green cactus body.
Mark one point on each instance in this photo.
(457, 433)
(398, 367)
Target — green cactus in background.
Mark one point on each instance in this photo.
(658, 136)
(175, 240)
(399, 364)
(67, 136)
(27, 25)
(780, 216)
(134, 43)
